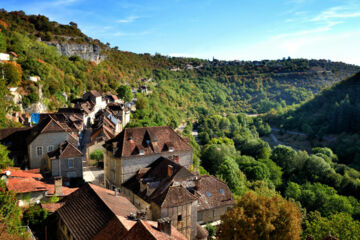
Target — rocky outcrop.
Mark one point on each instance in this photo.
(86, 51)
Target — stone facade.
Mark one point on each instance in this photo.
(118, 170)
(47, 142)
(66, 167)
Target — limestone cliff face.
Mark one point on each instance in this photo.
(87, 51)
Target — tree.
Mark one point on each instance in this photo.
(260, 217)
(213, 155)
(97, 155)
(285, 157)
(341, 225)
(316, 167)
(13, 73)
(4, 157)
(231, 174)
(2, 43)
(124, 92)
(10, 213)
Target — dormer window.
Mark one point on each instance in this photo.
(141, 152)
(171, 149)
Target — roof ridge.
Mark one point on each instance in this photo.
(147, 228)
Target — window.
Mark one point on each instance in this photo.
(70, 163)
(179, 218)
(50, 148)
(39, 151)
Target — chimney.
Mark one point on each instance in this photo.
(140, 214)
(170, 170)
(197, 184)
(58, 186)
(164, 225)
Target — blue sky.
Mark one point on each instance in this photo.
(227, 29)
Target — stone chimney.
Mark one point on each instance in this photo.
(58, 186)
(164, 225)
(141, 214)
(197, 183)
(170, 170)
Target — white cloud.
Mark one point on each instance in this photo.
(335, 13)
(129, 19)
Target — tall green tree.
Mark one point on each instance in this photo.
(2, 43)
(124, 92)
(340, 225)
(4, 157)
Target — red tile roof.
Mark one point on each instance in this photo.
(213, 193)
(25, 185)
(52, 207)
(26, 181)
(87, 211)
(17, 172)
(65, 150)
(149, 230)
(151, 140)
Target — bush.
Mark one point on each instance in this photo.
(97, 155)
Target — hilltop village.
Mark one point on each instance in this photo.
(113, 182)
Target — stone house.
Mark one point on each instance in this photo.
(45, 137)
(167, 189)
(29, 146)
(65, 161)
(97, 213)
(136, 148)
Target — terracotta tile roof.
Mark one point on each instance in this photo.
(149, 230)
(65, 150)
(151, 140)
(213, 193)
(66, 191)
(17, 172)
(165, 191)
(201, 232)
(7, 132)
(52, 207)
(174, 196)
(95, 93)
(25, 185)
(180, 188)
(49, 125)
(87, 211)
(25, 181)
(115, 229)
(71, 122)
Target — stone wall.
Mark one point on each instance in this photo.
(183, 217)
(63, 169)
(211, 215)
(44, 140)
